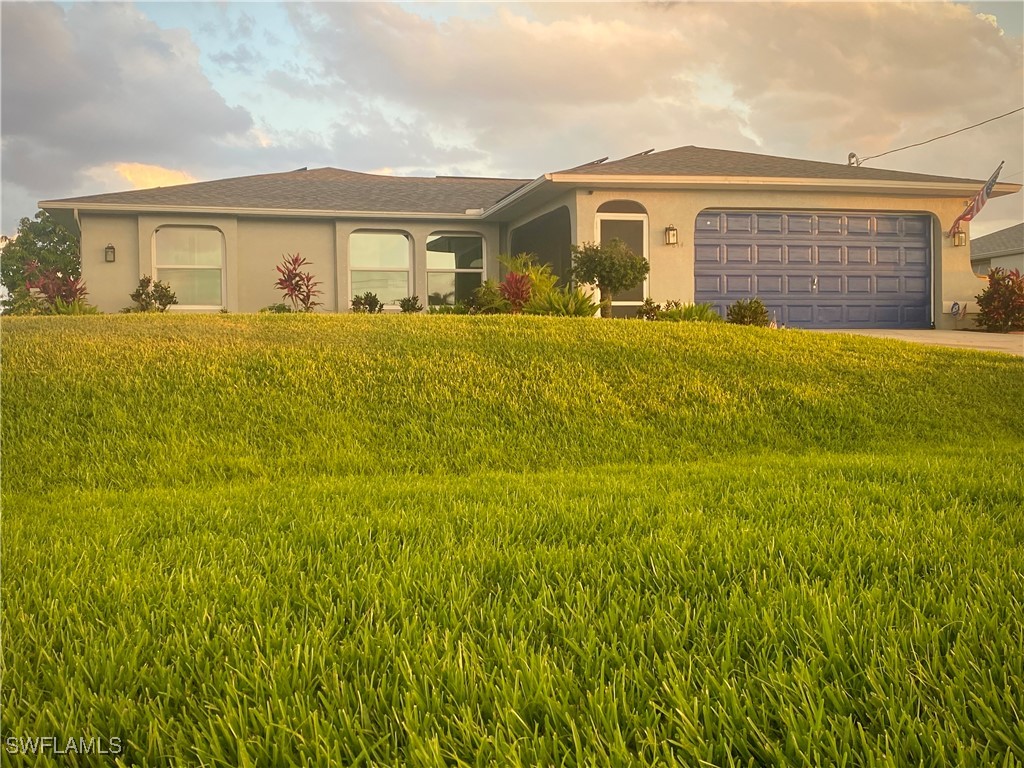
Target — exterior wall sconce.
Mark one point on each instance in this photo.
(671, 235)
(959, 237)
(108, 253)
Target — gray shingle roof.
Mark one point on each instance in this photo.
(700, 161)
(323, 189)
(1009, 239)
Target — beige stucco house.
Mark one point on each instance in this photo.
(822, 244)
(1004, 249)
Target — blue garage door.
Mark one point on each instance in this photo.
(817, 270)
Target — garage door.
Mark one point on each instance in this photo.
(817, 270)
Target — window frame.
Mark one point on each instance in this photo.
(222, 267)
(408, 269)
(482, 271)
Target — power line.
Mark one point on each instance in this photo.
(854, 160)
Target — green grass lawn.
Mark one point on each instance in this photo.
(273, 540)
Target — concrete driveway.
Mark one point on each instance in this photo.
(1010, 343)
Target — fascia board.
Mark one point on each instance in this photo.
(868, 186)
(279, 212)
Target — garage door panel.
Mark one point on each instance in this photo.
(858, 254)
(830, 254)
(707, 253)
(858, 284)
(915, 256)
(799, 254)
(813, 270)
(739, 254)
(887, 255)
(887, 225)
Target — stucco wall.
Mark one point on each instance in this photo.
(253, 248)
(671, 274)
(261, 245)
(109, 284)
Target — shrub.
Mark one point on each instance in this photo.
(613, 268)
(298, 286)
(648, 310)
(151, 296)
(516, 289)
(563, 302)
(22, 301)
(487, 300)
(691, 313)
(76, 307)
(457, 308)
(410, 304)
(748, 312)
(1001, 304)
(367, 304)
(277, 309)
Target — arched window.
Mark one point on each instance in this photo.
(455, 267)
(191, 261)
(379, 264)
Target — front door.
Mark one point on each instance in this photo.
(630, 228)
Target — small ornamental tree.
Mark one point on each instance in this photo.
(1001, 304)
(298, 286)
(46, 244)
(151, 296)
(612, 267)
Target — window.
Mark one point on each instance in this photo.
(379, 262)
(191, 261)
(455, 268)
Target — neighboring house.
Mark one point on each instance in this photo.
(821, 244)
(1004, 248)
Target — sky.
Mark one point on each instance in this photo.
(99, 97)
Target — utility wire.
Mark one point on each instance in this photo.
(854, 160)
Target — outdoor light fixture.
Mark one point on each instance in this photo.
(671, 235)
(108, 252)
(959, 237)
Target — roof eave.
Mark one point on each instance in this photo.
(942, 189)
(84, 207)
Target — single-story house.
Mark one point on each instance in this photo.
(1004, 248)
(822, 244)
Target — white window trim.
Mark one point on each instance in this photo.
(483, 258)
(223, 268)
(408, 269)
(598, 218)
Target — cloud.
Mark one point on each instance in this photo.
(97, 84)
(139, 175)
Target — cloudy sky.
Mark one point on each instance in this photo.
(101, 97)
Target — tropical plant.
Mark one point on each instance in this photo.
(151, 296)
(542, 278)
(748, 312)
(367, 304)
(613, 267)
(298, 286)
(74, 307)
(410, 304)
(488, 300)
(1001, 304)
(516, 289)
(51, 284)
(563, 302)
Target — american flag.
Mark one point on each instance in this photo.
(975, 206)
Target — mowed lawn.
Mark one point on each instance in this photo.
(342, 540)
